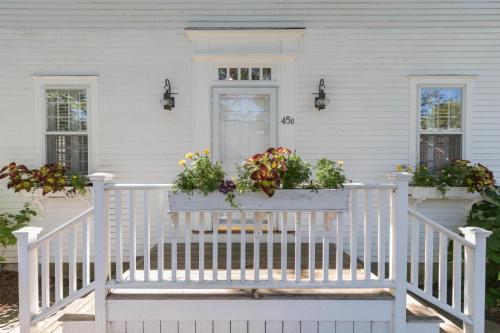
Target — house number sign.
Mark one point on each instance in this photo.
(287, 120)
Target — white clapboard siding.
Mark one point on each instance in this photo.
(364, 50)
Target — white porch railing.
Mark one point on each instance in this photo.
(340, 248)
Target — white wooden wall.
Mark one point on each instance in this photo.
(363, 49)
(240, 326)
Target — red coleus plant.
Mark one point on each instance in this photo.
(49, 178)
(267, 169)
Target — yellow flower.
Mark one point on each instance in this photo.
(206, 152)
(182, 162)
(189, 156)
(399, 168)
(341, 163)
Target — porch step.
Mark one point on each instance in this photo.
(78, 323)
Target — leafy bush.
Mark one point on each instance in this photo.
(199, 174)
(11, 222)
(50, 178)
(298, 172)
(486, 214)
(329, 174)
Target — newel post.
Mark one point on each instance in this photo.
(27, 262)
(475, 275)
(398, 247)
(101, 248)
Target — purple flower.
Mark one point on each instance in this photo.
(227, 186)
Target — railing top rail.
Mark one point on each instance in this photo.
(440, 228)
(116, 186)
(61, 228)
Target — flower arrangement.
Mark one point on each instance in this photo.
(50, 178)
(460, 173)
(276, 168)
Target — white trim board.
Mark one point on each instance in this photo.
(88, 82)
(415, 82)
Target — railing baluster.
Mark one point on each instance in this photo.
(147, 236)
(354, 236)
(229, 242)
(118, 236)
(298, 246)
(284, 245)
(201, 247)
(161, 234)
(72, 259)
(256, 245)
(45, 263)
(270, 226)
(215, 246)
(339, 247)
(243, 246)
(174, 235)
(415, 239)
(327, 228)
(187, 246)
(457, 276)
(429, 252)
(312, 245)
(367, 248)
(86, 252)
(382, 229)
(58, 273)
(132, 236)
(443, 267)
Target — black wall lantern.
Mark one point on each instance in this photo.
(321, 101)
(168, 100)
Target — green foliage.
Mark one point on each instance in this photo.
(298, 172)
(461, 173)
(199, 174)
(486, 214)
(267, 169)
(11, 222)
(50, 178)
(329, 174)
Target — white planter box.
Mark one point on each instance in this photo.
(37, 194)
(454, 193)
(282, 200)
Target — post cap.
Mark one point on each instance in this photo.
(101, 176)
(401, 176)
(476, 231)
(27, 231)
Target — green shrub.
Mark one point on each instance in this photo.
(486, 214)
(298, 172)
(11, 222)
(329, 174)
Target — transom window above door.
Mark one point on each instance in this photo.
(441, 112)
(245, 73)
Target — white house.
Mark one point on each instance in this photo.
(82, 83)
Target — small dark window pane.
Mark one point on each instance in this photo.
(69, 150)
(255, 73)
(244, 74)
(439, 150)
(233, 73)
(266, 73)
(222, 73)
(441, 108)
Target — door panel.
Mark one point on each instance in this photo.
(244, 123)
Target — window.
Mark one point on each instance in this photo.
(242, 73)
(64, 110)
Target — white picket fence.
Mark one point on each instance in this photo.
(378, 220)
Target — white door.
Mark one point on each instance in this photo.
(243, 123)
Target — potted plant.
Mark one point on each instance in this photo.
(276, 179)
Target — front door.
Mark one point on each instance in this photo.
(243, 123)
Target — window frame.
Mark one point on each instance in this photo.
(42, 83)
(466, 83)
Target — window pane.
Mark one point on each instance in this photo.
(66, 109)
(266, 73)
(69, 150)
(441, 108)
(222, 73)
(255, 73)
(439, 150)
(233, 73)
(244, 74)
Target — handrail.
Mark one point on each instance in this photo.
(118, 186)
(61, 228)
(440, 228)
